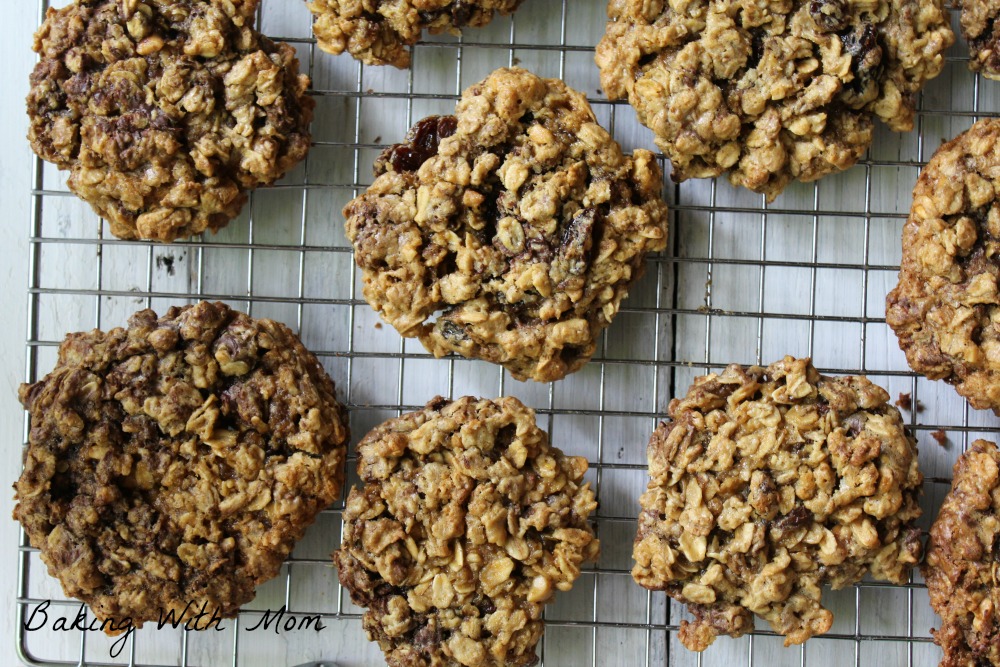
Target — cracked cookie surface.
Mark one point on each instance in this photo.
(177, 460)
(946, 309)
(766, 484)
(962, 554)
(510, 231)
(465, 526)
(377, 32)
(982, 32)
(770, 91)
(165, 112)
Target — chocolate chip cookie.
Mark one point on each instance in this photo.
(467, 524)
(982, 32)
(177, 461)
(165, 112)
(510, 231)
(962, 554)
(770, 91)
(945, 308)
(377, 32)
(766, 484)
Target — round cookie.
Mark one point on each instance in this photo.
(962, 555)
(770, 91)
(509, 232)
(467, 524)
(177, 461)
(945, 308)
(377, 32)
(165, 112)
(982, 32)
(766, 484)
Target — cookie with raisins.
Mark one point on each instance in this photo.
(510, 231)
(962, 555)
(466, 525)
(767, 484)
(378, 33)
(166, 113)
(981, 30)
(774, 91)
(945, 309)
(173, 464)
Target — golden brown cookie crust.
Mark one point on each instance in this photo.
(982, 32)
(770, 91)
(945, 308)
(765, 485)
(467, 524)
(166, 112)
(377, 32)
(177, 461)
(962, 554)
(509, 232)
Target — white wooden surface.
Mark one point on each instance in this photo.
(788, 282)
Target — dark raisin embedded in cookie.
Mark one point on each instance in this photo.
(467, 524)
(946, 307)
(510, 231)
(765, 485)
(982, 31)
(775, 91)
(963, 561)
(177, 461)
(377, 32)
(166, 112)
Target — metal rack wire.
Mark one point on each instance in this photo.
(743, 281)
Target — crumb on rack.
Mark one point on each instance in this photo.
(906, 402)
(940, 436)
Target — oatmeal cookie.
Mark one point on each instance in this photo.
(467, 523)
(962, 554)
(770, 91)
(766, 484)
(509, 232)
(377, 32)
(982, 31)
(177, 461)
(946, 309)
(165, 112)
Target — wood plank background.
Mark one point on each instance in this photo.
(743, 282)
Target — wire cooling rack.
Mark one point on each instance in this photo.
(743, 281)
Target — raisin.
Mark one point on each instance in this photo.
(452, 331)
(578, 239)
(855, 425)
(461, 12)
(757, 39)
(830, 15)
(866, 54)
(421, 144)
(797, 517)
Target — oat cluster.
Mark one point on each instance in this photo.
(166, 112)
(768, 483)
(982, 31)
(467, 524)
(946, 307)
(377, 32)
(177, 460)
(510, 231)
(770, 91)
(963, 553)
